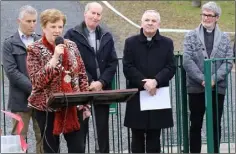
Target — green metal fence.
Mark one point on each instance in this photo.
(3, 106)
(227, 142)
(173, 140)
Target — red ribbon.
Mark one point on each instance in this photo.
(19, 128)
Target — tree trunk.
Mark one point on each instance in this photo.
(196, 3)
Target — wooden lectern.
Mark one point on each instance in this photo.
(58, 100)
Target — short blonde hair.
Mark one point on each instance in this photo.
(52, 16)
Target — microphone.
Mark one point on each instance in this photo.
(59, 40)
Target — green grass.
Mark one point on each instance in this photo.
(174, 14)
(188, 16)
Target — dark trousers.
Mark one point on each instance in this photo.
(152, 141)
(82, 134)
(51, 143)
(197, 111)
(102, 123)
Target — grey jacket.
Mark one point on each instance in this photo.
(14, 64)
(195, 53)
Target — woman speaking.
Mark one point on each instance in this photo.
(54, 65)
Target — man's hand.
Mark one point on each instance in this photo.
(212, 83)
(153, 91)
(150, 86)
(95, 86)
(203, 83)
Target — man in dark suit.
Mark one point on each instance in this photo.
(148, 64)
(96, 47)
(14, 63)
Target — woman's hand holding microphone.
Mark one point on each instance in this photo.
(59, 50)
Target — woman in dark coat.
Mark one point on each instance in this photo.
(148, 64)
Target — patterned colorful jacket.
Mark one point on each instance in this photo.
(47, 80)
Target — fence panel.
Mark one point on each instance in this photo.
(173, 140)
(224, 135)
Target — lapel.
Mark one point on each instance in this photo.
(101, 32)
(200, 33)
(84, 40)
(17, 40)
(217, 38)
(103, 41)
(80, 29)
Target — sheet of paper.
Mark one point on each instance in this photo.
(159, 101)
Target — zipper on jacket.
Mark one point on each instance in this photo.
(98, 71)
(101, 39)
(84, 37)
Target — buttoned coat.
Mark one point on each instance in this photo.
(147, 60)
(14, 64)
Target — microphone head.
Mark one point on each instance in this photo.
(59, 40)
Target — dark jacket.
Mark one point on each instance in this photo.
(14, 64)
(147, 60)
(106, 55)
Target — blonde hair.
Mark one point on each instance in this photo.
(52, 16)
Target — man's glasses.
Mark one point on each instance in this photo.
(207, 15)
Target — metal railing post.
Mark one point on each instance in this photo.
(208, 104)
(3, 98)
(184, 109)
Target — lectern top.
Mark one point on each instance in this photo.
(58, 100)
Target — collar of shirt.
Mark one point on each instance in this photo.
(22, 35)
(26, 39)
(90, 30)
(92, 35)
